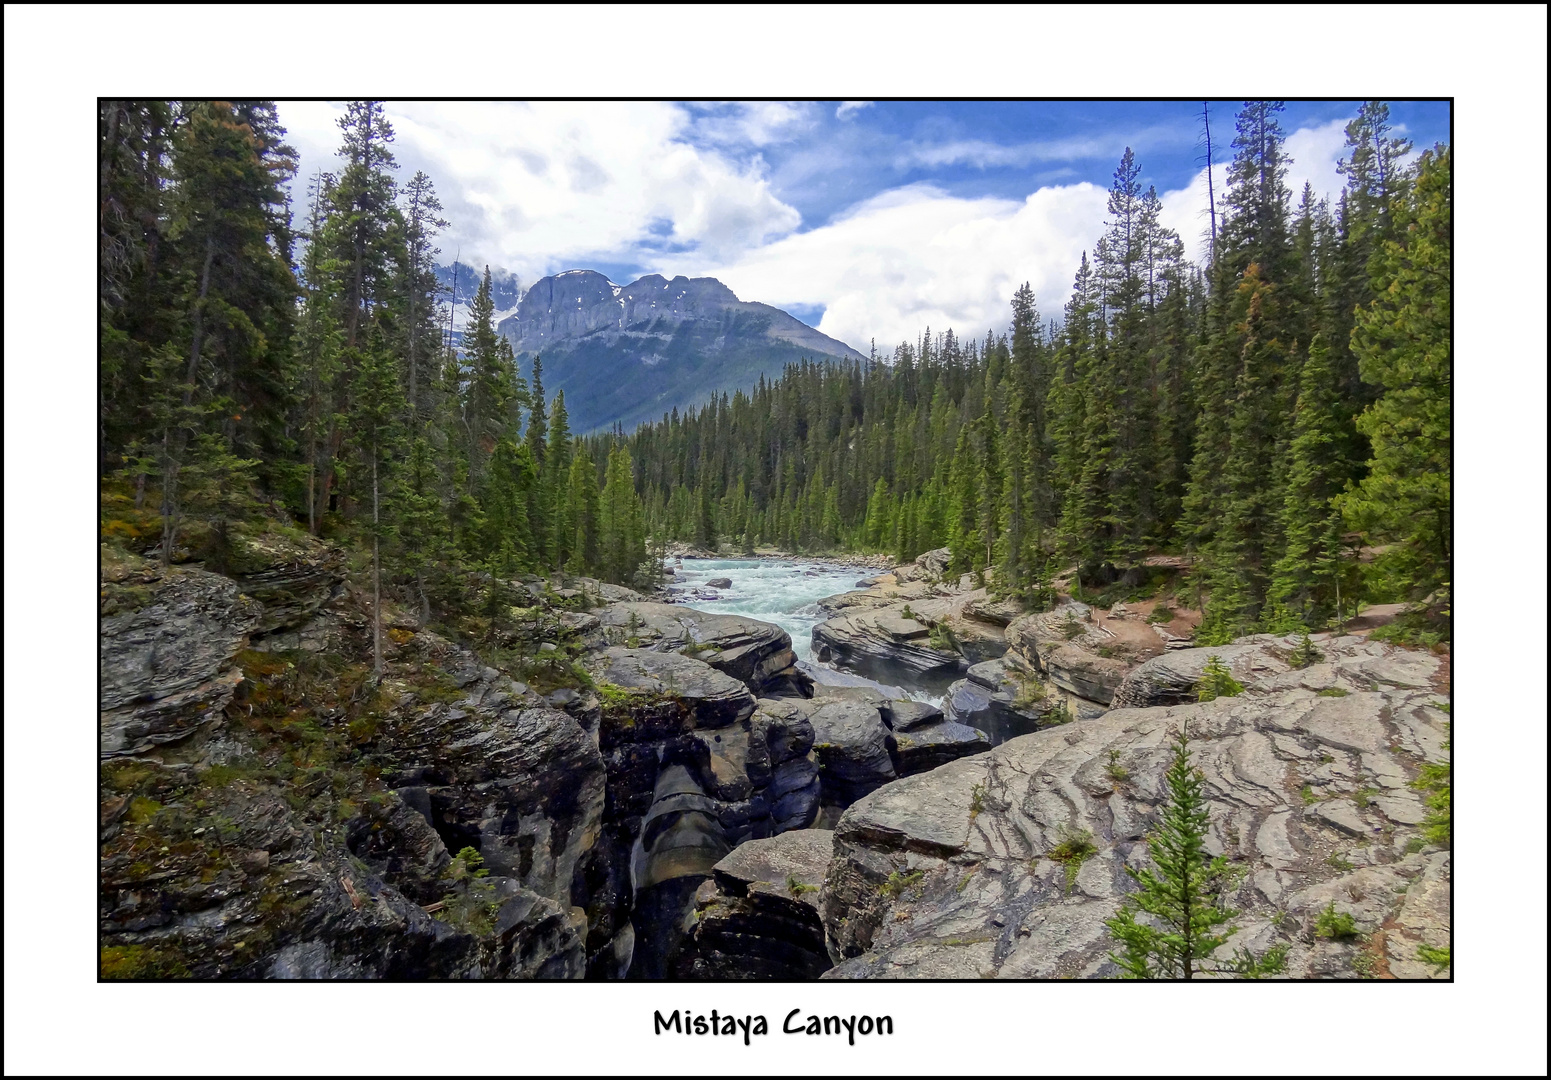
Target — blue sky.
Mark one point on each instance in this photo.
(870, 220)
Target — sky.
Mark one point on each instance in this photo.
(870, 220)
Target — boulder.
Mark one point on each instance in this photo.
(758, 918)
(290, 572)
(166, 654)
(926, 746)
(948, 873)
(1067, 648)
(1264, 660)
(719, 583)
(758, 654)
(1003, 700)
(713, 699)
(882, 643)
(851, 744)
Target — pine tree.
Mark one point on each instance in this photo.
(492, 390)
(1403, 341)
(1183, 919)
(376, 434)
(559, 527)
(421, 225)
(584, 513)
(621, 530)
(1303, 579)
(418, 520)
(507, 544)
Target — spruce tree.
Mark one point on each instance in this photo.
(583, 512)
(1303, 579)
(1404, 344)
(1176, 921)
(559, 527)
(419, 521)
(376, 434)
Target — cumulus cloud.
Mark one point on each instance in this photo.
(919, 256)
(542, 186)
(683, 189)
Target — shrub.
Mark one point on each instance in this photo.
(1333, 924)
(1074, 849)
(1116, 771)
(1217, 681)
(1435, 780)
(1305, 654)
(897, 883)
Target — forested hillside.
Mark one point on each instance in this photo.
(1282, 414)
(259, 373)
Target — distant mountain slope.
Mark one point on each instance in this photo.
(628, 353)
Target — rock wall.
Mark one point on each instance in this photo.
(948, 874)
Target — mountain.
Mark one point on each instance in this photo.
(460, 281)
(628, 353)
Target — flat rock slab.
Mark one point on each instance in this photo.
(801, 855)
(714, 699)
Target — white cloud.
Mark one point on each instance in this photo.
(544, 186)
(850, 108)
(752, 123)
(917, 256)
(1314, 153)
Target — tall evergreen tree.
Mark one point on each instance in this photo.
(1303, 580)
(1404, 344)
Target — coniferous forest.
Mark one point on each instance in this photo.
(1281, 414)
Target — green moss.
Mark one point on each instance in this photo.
(1308, 796)
(1337, 861)
(142, 811)
(1332, 691)
(140, 962)
(116, 599)
(1440, 959)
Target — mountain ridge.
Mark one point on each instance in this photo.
(625, 354)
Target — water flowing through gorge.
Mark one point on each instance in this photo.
(784, 592)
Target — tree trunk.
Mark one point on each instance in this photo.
(199, 322)
(376, 583)
(1211, 199)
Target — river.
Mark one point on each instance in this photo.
(786, 592)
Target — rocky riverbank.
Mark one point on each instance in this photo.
(646, 790)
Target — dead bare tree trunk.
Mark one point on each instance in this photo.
(376, 581)
(1211, 198)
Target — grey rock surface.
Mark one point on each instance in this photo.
(758, 654)
(166, 667)
(947, 873)
(758, 918)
